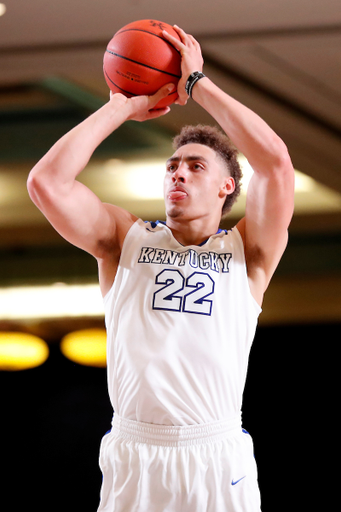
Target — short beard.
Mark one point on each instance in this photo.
(174, 212)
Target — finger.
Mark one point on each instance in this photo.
(182, 98)
(160, 94)
(158, 112)
(178, 44)
(181, 102)
(193, 40)
(181, 32)
(186, 38)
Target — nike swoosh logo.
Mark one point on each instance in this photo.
(234, 483)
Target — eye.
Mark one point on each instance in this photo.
(197, 167)
(170, 168)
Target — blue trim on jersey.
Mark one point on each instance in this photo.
(203, 243)
(154, 224)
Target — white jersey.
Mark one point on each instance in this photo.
(180, 324)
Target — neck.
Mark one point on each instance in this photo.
(192, 232)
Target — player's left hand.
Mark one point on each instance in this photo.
(191, 59)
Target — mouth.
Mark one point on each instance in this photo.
(177, 194)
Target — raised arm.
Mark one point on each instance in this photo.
(270, 197)
(72, 209)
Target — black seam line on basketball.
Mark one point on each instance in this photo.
(147, 32)
(120, 88)
(128, 92)
(144, 65)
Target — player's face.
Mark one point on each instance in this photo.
(196, 183)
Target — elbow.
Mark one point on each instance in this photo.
(31, 183)
(279, 164)
(38, 186)
(282, 165)
(274, 159)
(281, 156)
(284, 175)
(34, 185)
(286, 169)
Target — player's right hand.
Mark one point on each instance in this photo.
(141, 108)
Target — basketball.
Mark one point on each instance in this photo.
(139, 60)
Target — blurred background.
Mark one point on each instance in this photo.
(282, 59)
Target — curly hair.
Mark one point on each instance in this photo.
(213, 138)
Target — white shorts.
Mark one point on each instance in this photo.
(156, 468)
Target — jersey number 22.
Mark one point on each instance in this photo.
(198, 286)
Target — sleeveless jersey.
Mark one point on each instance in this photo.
(180, 323)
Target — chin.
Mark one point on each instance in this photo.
(174, 212)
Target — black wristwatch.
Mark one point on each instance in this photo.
(192, 80)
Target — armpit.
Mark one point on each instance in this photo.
(255, 258)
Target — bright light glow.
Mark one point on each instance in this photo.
(138, 180)
(20, 351)
(87, 347)
(144, 180)
(60, 300)
(304, 183)
(247, 172)
(2, 9)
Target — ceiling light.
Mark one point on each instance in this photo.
(2, 9)
(86, 347)
(54, 301)
(20, 351)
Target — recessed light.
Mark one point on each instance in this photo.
(87, 347)
(21, 351)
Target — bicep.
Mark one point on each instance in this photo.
(269, 209)
(79, 216)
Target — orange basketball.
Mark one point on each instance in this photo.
(139, 60)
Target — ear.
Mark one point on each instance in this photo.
(228, 186)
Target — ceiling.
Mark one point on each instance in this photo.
(282, 58)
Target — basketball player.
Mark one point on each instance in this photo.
(181, 298)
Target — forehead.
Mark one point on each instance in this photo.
(199, 150)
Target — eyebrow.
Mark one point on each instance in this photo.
(190, 158)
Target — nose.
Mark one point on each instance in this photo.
(180, 175)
